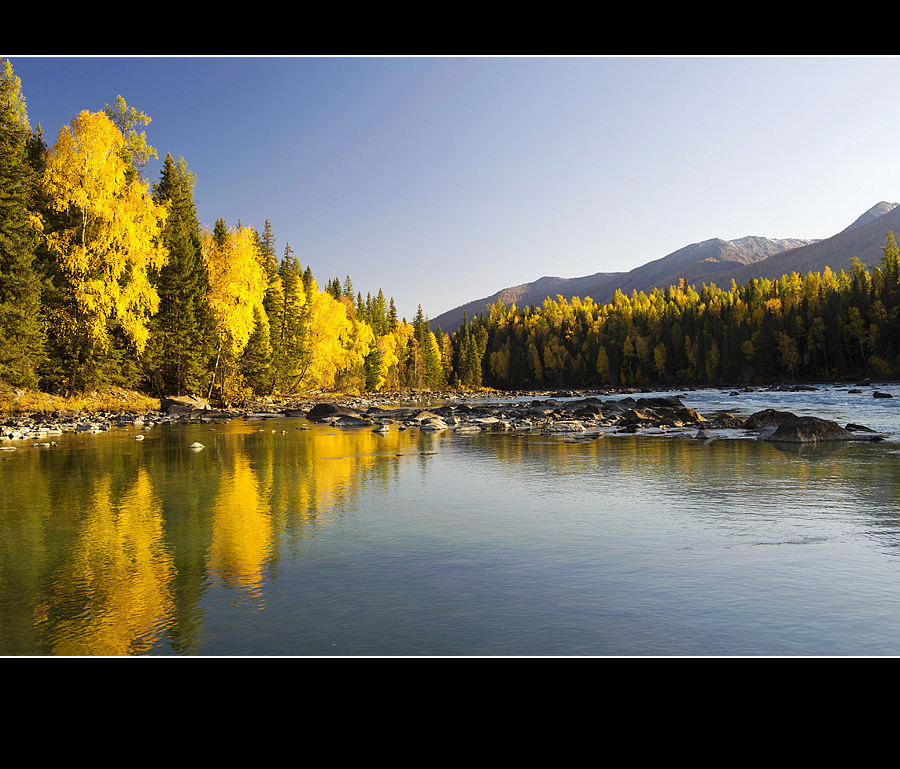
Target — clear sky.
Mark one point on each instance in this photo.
(442, 180)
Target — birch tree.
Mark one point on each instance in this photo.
(105, 248)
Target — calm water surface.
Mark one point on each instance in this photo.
(283, 537)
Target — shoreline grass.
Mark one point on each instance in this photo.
(24, 401)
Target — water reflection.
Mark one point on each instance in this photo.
(115, 547)
(110, 545)
(111, 593)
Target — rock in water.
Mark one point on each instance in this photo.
(809, 430)
(768, 418)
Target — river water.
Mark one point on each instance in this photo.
(284, 537)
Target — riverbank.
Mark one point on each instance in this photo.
(576, 415)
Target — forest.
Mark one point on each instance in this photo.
(109, 280)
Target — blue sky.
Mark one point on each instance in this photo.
(441, 180)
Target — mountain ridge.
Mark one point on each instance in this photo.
(714, 260)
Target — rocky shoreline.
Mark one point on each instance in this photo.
(576, 415)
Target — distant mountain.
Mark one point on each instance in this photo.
(863, 239)
(710, 261)
(879, 209)
(694, 262)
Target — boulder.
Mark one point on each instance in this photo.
(689, 415)
(662, 402)
(768, 418)
(809, 430)
(173, 405)
(326, 412)
(426, 416)
(350, 420)
(564, 426)
(878, 394)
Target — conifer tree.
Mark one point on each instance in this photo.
(256, 358)
(309, 283)
(273, 305)
(379, 313)
(289, 332)
(21, 334)
(373, 371)
(181, 341)
(392, 315)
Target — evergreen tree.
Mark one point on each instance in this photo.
(373, 372)
(392, 316)
(379, 314)
(309, 283)
(273, 301)
(289, 332)
(21, 333)
(181, 341)
(256, 358)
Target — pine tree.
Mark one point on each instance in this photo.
(181, 340)
(289, 332)
(373, 370)
(21, 334)
(309, 283)
(273, 302)
(392, 316)
(379, 312)
(257, 355)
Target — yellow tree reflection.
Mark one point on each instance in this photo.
(114, 596)
(242, 531)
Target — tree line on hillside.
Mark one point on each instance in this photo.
(106, 280)
(821, 326)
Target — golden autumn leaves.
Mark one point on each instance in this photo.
(110, 241)
(108, 247)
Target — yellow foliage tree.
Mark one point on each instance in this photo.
(108, 243)
(392, 347)
(237, 286)
(335, 342)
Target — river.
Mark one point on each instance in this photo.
(284, 537)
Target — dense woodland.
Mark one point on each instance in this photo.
(107, 279)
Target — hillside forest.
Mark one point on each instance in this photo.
(107, 279)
